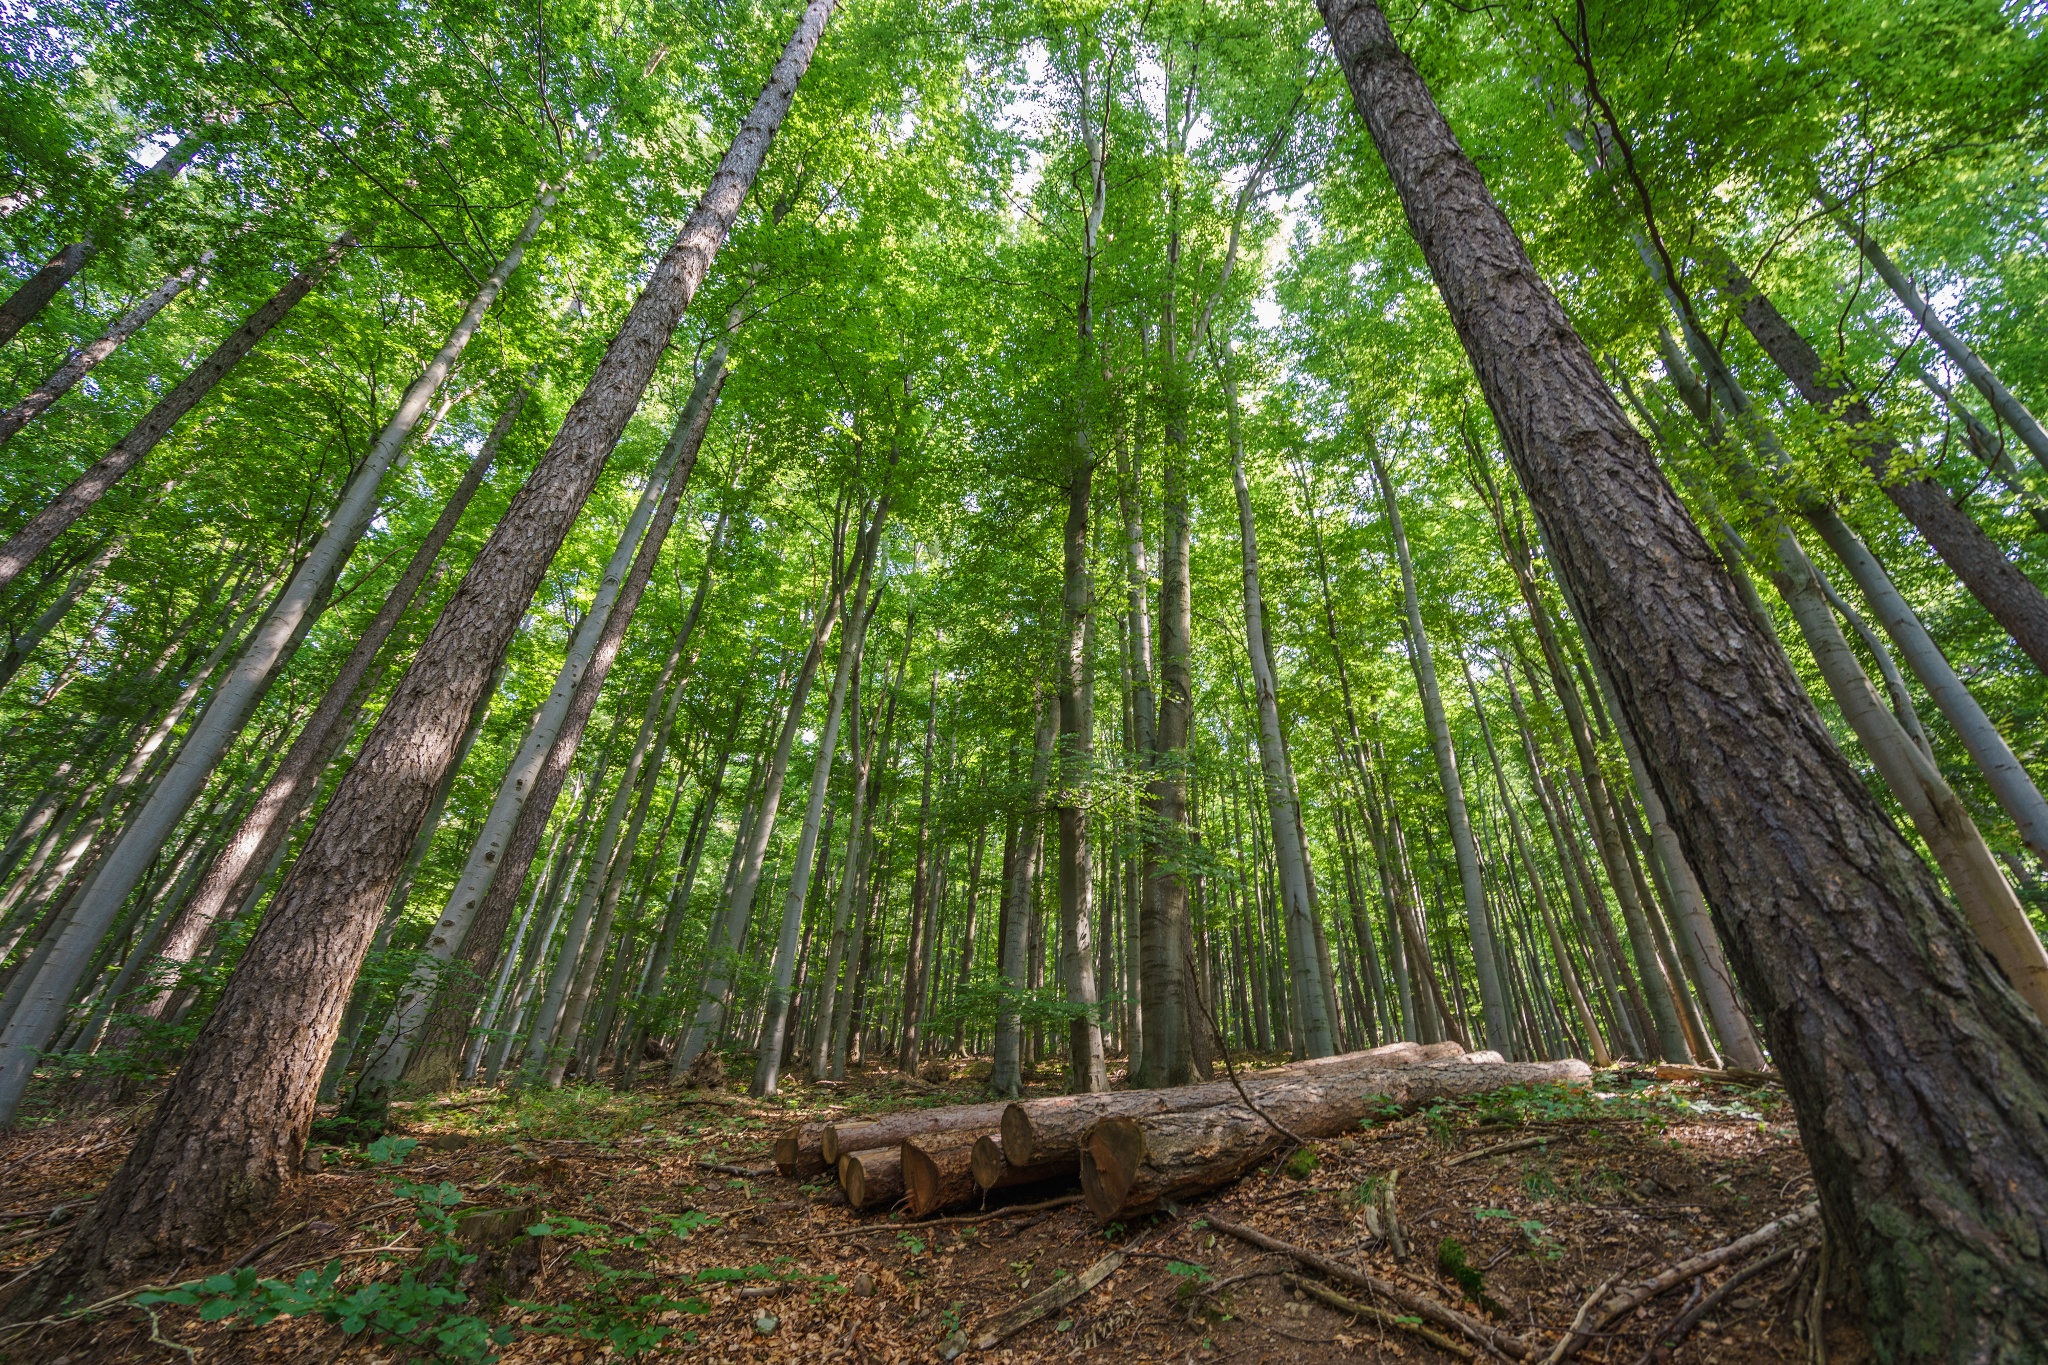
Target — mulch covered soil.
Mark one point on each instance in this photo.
(651, 1226)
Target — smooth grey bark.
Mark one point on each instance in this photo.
(853, 635)
(291, 790)
(525, 775)
(1493, 1003)
(1308, 984)
(1601, 1056)
(917, 947)
(32, 295)
(78, 497)
(747, 879)
(20, 647)
(1006, 1078)
(143, 834)
(82, 361)
(2002, 400)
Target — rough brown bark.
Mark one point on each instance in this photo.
(994, 1171)
(1130, 1162)
(1917, 1073)
(437, 1056)
(228, 1132)
(1998, 584)
(938, 1171)
(1036, 1131)
(840, 1138)
(800, 1152)
(88, 488)
(872, 1179)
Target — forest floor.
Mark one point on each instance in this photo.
(660, 1231)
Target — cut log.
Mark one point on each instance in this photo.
(1038, 1131)
(1131, 1162)
(993, 1171)
(938, 1171)
(840, 1138)
(872, 1179)
(800, 1152)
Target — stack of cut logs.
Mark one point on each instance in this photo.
(1130, 1149)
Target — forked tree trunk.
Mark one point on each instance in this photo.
(228, 1132)
(1842, 938)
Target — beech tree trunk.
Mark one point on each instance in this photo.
(88, 488)
(1006, 1075)
(1998, 584)
(1915, 1069)
(228, 1132)
(853, 635)
(82, 361)
(1493, 1004)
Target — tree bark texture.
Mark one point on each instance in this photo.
(81, 362)
(1916, 1071)
(228, 1133)
(1130, 1163)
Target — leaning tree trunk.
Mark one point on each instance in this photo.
(266, 826)
(228, 1132)
(82, 361)
(852, 635)
(2002, 400)
(1999, 585)
(478, 911)
(88, 488)
(1916, 1071)
(32, 295)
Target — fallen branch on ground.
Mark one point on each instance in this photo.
(1635, 1296)
(1047, 1300)
(1685, 1321)
(1379, 1315)
(1502, 1149)
(1471, 1328)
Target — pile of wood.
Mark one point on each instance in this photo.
(1130, 1149)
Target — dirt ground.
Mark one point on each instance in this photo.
(651, 1226)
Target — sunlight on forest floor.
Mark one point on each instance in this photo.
(583, 1225)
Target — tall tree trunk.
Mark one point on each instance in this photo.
(916, 951)
(228, 1132)
(88, 488)
(34, 294)
(2002, 400)
(1006, 1077)
(473, 923)
(81, 362)
(1839, 934)
(270, 821)
(1493, 1003)
(1307, 984)
(1601, 1056)
(852, 636)
(19, 647)
(1998, 584)
(143, 835)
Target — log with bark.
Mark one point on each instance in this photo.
(993, 1171)
(840, 1138)
(1131, 1162)
(872, 1178)
(1039, 1131)
(800, 1152)
(938, 1171)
